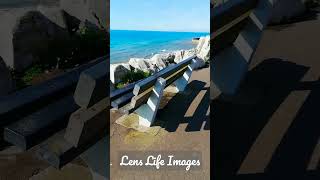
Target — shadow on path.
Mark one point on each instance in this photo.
(237, 125)
(173, 114)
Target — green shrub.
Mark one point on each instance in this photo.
(132, 76)
(31, 73)
(64, 53)
(80, 48)
(25, 78)
(120, 85)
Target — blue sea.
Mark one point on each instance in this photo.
(125, 44)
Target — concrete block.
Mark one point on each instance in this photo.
(84, 122)
(148, 111)
(92, 85)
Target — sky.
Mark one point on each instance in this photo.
(160, 15)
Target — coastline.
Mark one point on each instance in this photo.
(120, 71)
(148, 57)
(162, 52)
(126, 44)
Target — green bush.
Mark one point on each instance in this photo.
(81, 47)
(25, 78)
(64, 53)
(31, 73)
(120, 85)
(132, 76)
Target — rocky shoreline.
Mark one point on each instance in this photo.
(32, 29)
(160, 61)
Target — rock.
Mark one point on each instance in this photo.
(161, 60)
(200, 44)
(140, 64)
(204, 52)
(6, 82)
(94, 11)
(100, 10)
(26, 33)
(6, 46)
(118, 71)
(28, 29)
(189, 53)
(178, 56)
(54, 14)
(31, 35)
(286, 9)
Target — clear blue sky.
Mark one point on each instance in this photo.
(160, 15)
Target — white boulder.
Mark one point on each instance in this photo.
(178, 56)
(189, 53)
(204, 52)
(140, 64)
(160, 61)
(200, 43)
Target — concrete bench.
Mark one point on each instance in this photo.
(148, 92)
(26, 101)
(237, 29)
(40, 125)
(87, 125)
(121, 97)
(92, 85)
(72, 102)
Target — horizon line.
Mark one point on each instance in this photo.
(160, 30)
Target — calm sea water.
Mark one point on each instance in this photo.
(127, 44)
